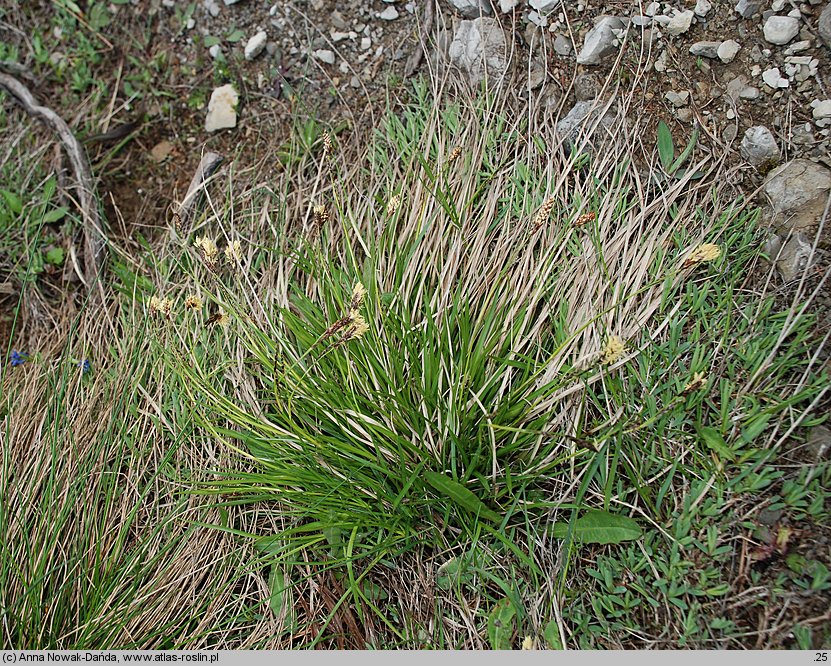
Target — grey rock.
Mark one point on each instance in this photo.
(215, 51)
(728, 50)
(747, 8)
(472, 8)
(640, 21)
(678, 99)
(729, 133)
(544, 6)
(824, 25)
(585, 114)
(774, 78)
(538, 20)
(506, 6)
(600, 41)
(759, 147)
(819, 440)
(479, 49)
(222, 109)
(781, 29)
(797, 192)
(802, 135)
(255, 45)
(389, 14)
(702, 8)
(562, 45)
(586, 87)
(325, 55)
(230, 2)
(705, 49)
(680, 23)
(791, 257)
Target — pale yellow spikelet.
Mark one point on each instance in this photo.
(320, 215)
(233, 252)
(356, 329)
(193, 302)
(358, 295)
(209, 249)
(327, 144)
(698, 380)
(705, 252)
(223, 319)
(393, 204)
(613, 349)
(528, 643)
(454, 155)
(161, 305)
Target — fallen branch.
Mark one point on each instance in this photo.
(184, 216)
(95, 239)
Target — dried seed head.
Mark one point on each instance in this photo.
(613, 350)
(705, 252)
(356, 329)
(320, 215)
(584, 219)
(542, 216)
(454, 155)
(193, 302)
(528, 643)
(327, 145)
(394, 204)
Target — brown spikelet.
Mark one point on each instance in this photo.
(544, 212)
(454, 155)
(327, 145)
(584, 219)
(320, 216)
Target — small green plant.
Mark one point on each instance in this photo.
(666, 152)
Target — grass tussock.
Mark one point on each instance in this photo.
(448, 383)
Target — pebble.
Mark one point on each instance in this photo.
(774, 78)
(705, 49)
(781, 29)
(680, 23)
(562, 45)
(544, 6)
(599, 41)
(797, 192)
(792, 258)
(652, 8)
(255, 45)
(222, 109)
(824, 25)
(471, 8)
(215, 51)
(747, 8)
(728, 50)
(759, 147)
(821, 111)
(389, 14)
(819, 440)
(325, 55)
(506, 6)
(678, 99)
(702, 8)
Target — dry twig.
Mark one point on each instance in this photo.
(95, 238)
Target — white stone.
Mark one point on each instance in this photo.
(705, 49)
(680, 23)
(536, 19)
(821, 109)
(366, 43)
(781, 29)
(797, 47)
(222, 109)
(479, 49)
(774, 78)
(702, 8)
(777, 5)
(652, 8)
(728, 50)
(506, 6)
(678, 99)
(389, 14)
(215, 51)
(325, 55)
(255, 45)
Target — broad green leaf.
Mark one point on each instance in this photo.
(501, 625)
(235, 36)
(685, 154)
(551, 634)
(456, 571)
(600, 527)
(666, 148)
(280, 598)
(12, 201)
(460, 495)
(55, 214)
(713, 439)
(755, 428)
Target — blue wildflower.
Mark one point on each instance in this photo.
(86, 365)
(17, 358)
